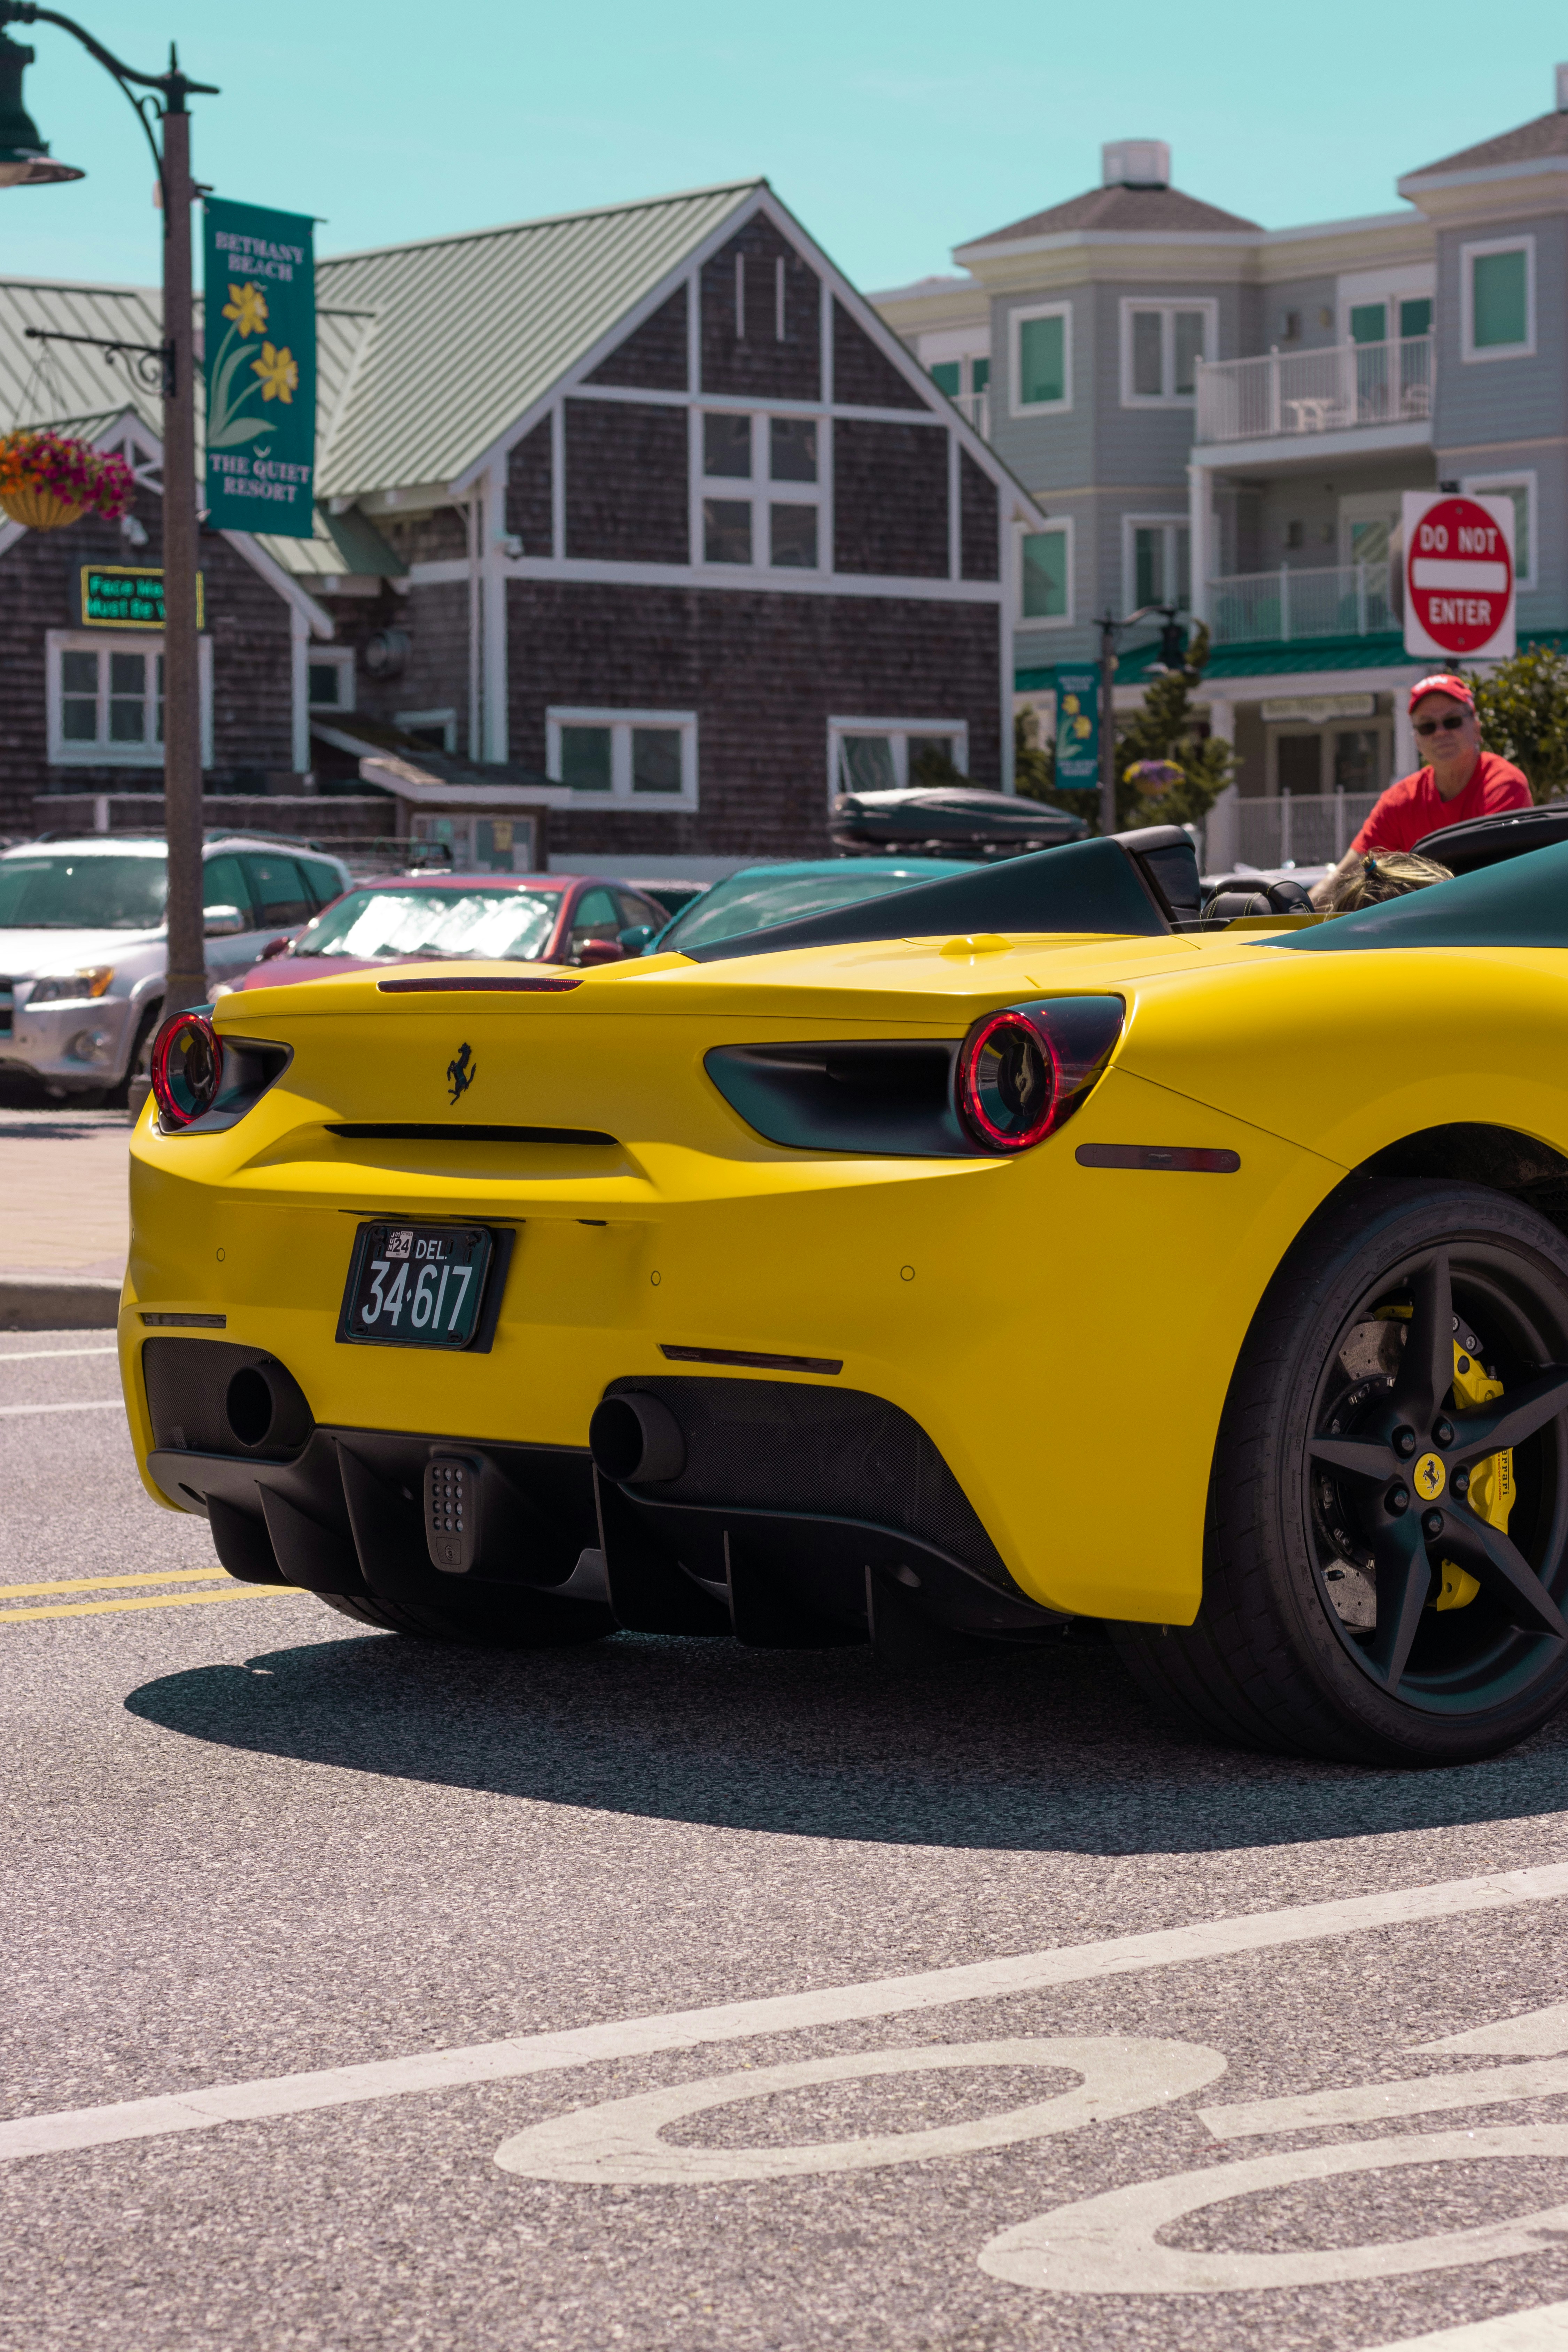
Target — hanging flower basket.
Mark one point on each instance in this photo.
(47, 480)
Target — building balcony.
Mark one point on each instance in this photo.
(1339, 394)
(1282, 607)
(975, 407)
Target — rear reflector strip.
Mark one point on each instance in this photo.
(409, 1133)
(187, 1322)
(1165, 1156)
(444, 987)
(752, 1363)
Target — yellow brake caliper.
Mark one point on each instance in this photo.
(1492, 1482)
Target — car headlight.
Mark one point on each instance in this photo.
(72, 987)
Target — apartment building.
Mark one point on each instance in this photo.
(1224, 416)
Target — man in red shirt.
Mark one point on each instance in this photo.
(1459, 781)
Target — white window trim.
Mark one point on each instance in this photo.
(1469, 256)
(898, 731)
(1130, 525)
(445, 719)
(62, 754)
(1167, 310)
(1522, 477)
(1016, 321)
(333, 657)
(1067, 523)
(758, 491)
(620, 794)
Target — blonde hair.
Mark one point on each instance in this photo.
(1382, 874)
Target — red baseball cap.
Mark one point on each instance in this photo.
(1442, 684)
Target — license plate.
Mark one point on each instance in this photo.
(416, 1285)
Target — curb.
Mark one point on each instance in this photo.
(58, 1302)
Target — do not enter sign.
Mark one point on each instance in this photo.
(1459, 574)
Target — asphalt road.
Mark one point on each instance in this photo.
(804, 2005)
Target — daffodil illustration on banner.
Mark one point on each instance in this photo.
(260, 278)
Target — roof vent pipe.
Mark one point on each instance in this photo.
(1142, 162)
(1563, 89)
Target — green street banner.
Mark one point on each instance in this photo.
(1078, 725)
(259, 273)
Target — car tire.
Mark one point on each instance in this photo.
(1321, 1630)
(483, 1619)
(139, 1064)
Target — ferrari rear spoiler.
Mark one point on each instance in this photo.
(1142, 884)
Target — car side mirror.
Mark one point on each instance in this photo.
(636, 937)
(600, 952)
(222, 922)
(273, 948)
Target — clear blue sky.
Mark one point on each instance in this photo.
(894, 130)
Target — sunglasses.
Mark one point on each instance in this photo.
(1430, 726)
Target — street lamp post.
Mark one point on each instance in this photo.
(1171, 653)
(25, 160)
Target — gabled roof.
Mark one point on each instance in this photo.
(1124, 212)
(1547, 135)
(471, 331)
(345, 546)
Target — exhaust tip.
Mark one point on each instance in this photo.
(635, 1441)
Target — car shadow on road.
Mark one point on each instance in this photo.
(1041, 1750)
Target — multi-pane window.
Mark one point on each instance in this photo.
(1045, 586)
(1042, 358)
(1162, 343)
(1158, 569)
(1498, 291)
(773, 523)
(647, 758)
(884, 755)
(106, 699)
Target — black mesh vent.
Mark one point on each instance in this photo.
(780, 1445)
(187, 1384)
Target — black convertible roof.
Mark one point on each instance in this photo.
(1521, 904)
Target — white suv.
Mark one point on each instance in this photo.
(83, 947)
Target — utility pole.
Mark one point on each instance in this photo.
(171, 367)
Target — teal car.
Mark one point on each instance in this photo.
(758, 897)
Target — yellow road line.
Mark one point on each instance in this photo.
(94, 1584)
(152, 1600)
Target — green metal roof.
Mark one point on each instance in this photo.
(471, 331)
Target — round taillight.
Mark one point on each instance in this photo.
(187, 1068)
(1008, 1086)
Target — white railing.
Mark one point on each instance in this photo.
(1296, 829)
(1348, 600)
(975, 407)
(1288, 394)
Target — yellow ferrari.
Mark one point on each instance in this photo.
(1024, 1247)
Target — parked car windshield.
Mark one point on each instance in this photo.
(503, 923)
(64, 892)
(754, 900)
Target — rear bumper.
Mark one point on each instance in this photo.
(801, 1515)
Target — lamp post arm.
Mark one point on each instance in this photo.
(173, 86)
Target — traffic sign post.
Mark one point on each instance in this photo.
(1458, 575)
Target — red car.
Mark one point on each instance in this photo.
(410, 918)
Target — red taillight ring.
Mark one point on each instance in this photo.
(971, 1106)
(185, 1079)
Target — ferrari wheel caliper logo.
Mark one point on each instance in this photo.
(1429, 1477)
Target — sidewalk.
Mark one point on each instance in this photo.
(65, 1224)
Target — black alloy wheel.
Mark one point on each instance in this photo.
(1386, 1554)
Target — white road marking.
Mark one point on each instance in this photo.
(1374, 2103)
(618, 2141)
(1538, 2033)
(84, 1405)
(493, 2062)
(1542, 2329)
(36, 1355)
(1109, 2245)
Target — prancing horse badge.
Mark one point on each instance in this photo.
(460, 1072)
